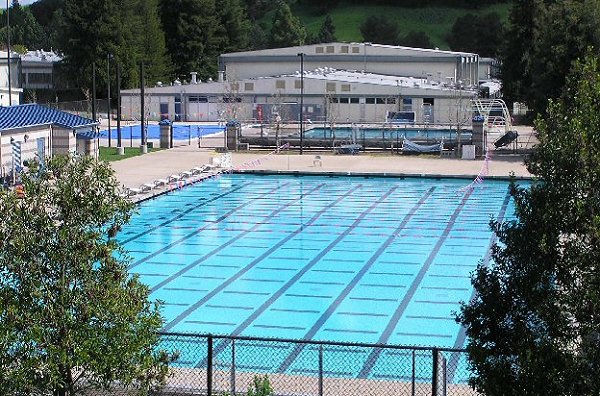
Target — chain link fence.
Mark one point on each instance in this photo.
(218, 365)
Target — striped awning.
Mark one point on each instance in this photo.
(28, 115)
(86, 135)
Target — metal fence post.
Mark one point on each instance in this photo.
(320, 369)
(232, 375)
(434, 383)
(414, 373)
(209, 365)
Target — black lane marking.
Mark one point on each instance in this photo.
(294, 310)
(425, 335)
(210, 323)
(355, 281)
(462, 333)
(374, 299)
(362, 314)
(385, 336)
(279, 327)
(350, 331)
(259, 259)
(182, 214)
(308, 266)
(307, 295)
(228, 307)
(218, 249)
(198, 230)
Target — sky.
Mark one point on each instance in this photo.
(22, 2)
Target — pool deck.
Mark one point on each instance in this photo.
(135, 171)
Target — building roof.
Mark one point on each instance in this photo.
(387, 49)
(41, 56)
(29, 115)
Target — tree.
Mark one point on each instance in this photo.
(543, 39)
(71, 316)
(24, 29)
(151, 41)
(379, 29)
(416, 39)
(533, 327)
(189, 28)
(327, 31)
(286, 29)
(479, 34)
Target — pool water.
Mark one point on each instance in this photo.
(386, 133)
(180, 131)
(373, 260)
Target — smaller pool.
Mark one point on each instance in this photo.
(386, 134)
(180, 131)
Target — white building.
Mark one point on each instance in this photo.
(32, 131)
(432, 64)
(329, 95)
(15, 89)
(37, 69)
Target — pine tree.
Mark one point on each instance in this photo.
(327, 31)
(286, 29)
(190, 27)
(533, 326)
(150, 42)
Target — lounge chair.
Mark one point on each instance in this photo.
(185, 174)
(174, 178)
(198, 169)
(161, 182)
(317, 161)
(133, 191)
(147, 187)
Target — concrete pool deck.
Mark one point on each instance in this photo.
(133, 172)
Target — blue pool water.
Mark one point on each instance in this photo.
(386, 134)
(180, 131)
(374, 260)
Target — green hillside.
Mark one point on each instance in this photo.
(435, 21)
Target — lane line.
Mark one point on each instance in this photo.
(256, 261)
(355, 281)
(387, 333)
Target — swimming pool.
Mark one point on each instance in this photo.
(375, 260)
(180, 131)
(386, 133)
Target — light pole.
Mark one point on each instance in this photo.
(8, 53)
(301, 55)
(108, 96)
(143, 146)
(120, 149)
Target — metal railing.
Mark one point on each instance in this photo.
(214, 365)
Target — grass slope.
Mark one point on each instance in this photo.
(435, 21)
(110, 153)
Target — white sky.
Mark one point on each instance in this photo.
(22, 2)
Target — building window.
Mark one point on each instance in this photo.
(39, 78)
(297, 84)
(390, 100)
(330, 87)
(344, 100)
(354, 100)
(333, 100)
(370, 100)
(249, 86)
(229, 99)
(319, 50)
(280, 84)
(344, 49)
(345, 87)
(380, 100)
(330, 49)
(356, 50)
(428, 101)
(407, 104)
(234, 86)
